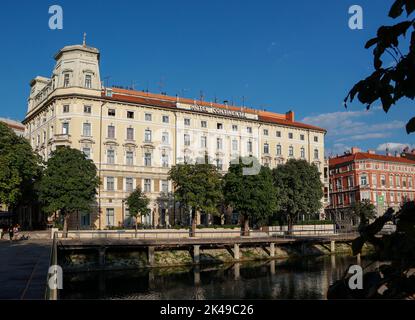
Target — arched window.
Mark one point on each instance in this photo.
(291, 151)
(316, 154)
(302, 153)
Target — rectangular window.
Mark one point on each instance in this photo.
(111, 112)
(278, 134)
(66, 80)
(87, 109)
(398, 181)
(234, 145)
(164, 186)
(279, 150)
(315, 139)
(249, 146)
(383, 180)
(147, 135)
(165, 119)
(186, 140)
(363, 180)
(219, 126)
(129, 156)
(265, 132)
(249, 129)
(129, 187)
(203, 124)
(88, 81)
(65, 128)
(390, 181)
(111, 132)
(86, 130)
(266, 148)
(165, 137)
(203, 142)
(130, 114)
(130, 133)
(110, 183)
(302, 137)
(148, 116)
(66, 108)
(187, 122)
(290, 135)
(404, 182)
(165, 160)
(219, 143)
(87, 152)
(219, 164)
(147, 159)
(110, 217)
(110, 156)
(147, 185)
(374, 180)
(234, 127)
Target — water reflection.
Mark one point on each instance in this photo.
(276, 279)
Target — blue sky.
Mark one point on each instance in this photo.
(278, 55)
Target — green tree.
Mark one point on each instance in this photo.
(138, 203)
(198, 188)
(300, 189)
(390, 84)
(364, 210)
(69, 183)
(249, 189)
(20, 169)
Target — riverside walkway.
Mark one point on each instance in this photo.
(23, 268)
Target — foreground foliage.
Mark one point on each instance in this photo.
(69, 183)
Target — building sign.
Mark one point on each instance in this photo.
(218, 111)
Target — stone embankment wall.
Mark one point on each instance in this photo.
(138, 259)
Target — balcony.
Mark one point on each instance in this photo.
(62, 138)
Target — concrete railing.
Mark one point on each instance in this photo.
(207, 233)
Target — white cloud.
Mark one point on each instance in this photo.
(344, 126)
(337, 149)
(394, 146)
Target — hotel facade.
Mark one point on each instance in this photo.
(135, 137)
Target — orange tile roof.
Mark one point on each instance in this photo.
(160, 100)
(365, 155)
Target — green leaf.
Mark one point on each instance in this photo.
(396, 9)
(410, 126)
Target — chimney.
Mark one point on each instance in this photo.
(355, 150)
(370, 151)
(290, 116)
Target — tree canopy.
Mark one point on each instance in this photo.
(251, 195)
(20, 168)
(69, 183)
(300, 189)
(137, 203)
(197, 187)
(390, 84)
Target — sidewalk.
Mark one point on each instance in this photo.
(23, 268)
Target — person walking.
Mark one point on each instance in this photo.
(11, 233)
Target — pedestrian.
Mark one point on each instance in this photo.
(11, 233)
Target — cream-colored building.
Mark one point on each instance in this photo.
(135, 137)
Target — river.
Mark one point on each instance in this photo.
(305, 278)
